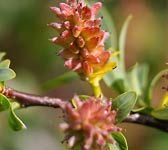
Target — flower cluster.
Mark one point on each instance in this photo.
(89, 124)
(81, 37)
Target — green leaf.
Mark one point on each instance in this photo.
(161, 114)
(153, 83)
(118, 85)
(143, 110)
(124, 103)
(136, 79)
(121, 142)
(108, 25)
(5, 63)
(4, 103)
(15, 123)
(6, 74)
(142, 73)
(122, 40)
(118, 74)
(115, 79)
(132, 80)
(60, 80)
(113, 147)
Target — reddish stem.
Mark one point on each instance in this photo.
(27, 100)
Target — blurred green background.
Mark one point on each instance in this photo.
(24, 36)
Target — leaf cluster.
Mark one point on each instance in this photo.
(6, 74)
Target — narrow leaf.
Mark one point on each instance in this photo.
(119, 73)
(136, 79)
(132, 80)
(124, 103)
(60, 80)
(108, 25)
(15, 123)
(122, 40)
(142, 72)
(143, 110)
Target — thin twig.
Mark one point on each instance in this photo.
(27, 100)
(147, 121)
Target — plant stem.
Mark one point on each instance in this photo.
(95, 84)
(147, 121)
(28, 100)
(97, 90)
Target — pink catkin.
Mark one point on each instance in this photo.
(81, 35)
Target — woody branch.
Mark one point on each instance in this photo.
(28, 100)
